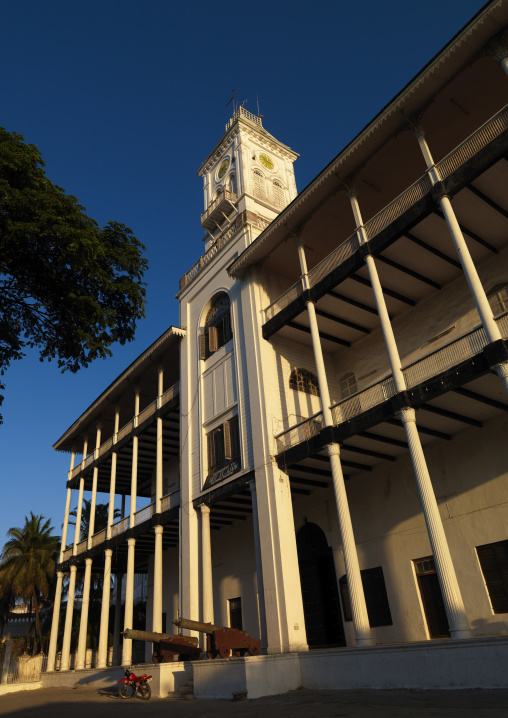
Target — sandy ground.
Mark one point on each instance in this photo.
(103, 703)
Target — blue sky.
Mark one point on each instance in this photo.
(125, 98)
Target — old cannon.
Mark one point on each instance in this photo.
(166, 646)
(221, 640)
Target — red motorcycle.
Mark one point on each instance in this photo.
(132, 684)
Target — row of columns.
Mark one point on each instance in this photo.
(459, 626)
(126, 653)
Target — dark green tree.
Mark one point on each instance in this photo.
(101, 518)
(27, 565)
(67, 286)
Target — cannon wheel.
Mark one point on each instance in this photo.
(224, 652)
(253, 650)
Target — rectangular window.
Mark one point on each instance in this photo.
(235, 613)
(223, 444)
(378, 608)
(493, 558)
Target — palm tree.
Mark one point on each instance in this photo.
(28, 564)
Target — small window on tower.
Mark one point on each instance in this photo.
(232, 183)
(217, 331)
(278, 193)
(223, 445)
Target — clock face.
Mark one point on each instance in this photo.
(266, 162)
(223, 168)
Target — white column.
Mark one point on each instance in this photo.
(454, 606)
(158, 478)
(157, 581)
(112, 479)
(64, 666)
(459, 627)
(83, 624)
(59, 579)
(54, 623)
(354, 580)
(475, 286)
(102, 659)
(498, 49)
(93, 502)
(157, 559)
(134, 468)
(259, 567)
(129, 603)
(206, 564)
(118, 623)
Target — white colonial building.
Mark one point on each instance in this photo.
(318, 454)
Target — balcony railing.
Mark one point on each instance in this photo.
(143, 514)
(99, 537)
(120, 526)
(170, 501)
(207, 257)
(148, 411)
(455, 159)
(440, 360)
(242, 112)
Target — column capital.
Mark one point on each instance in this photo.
(73, 568)
(158, 530)
(205, 510)
(497, 48)
(408, 414)
(333, 449)
(88, 561)
(131, 542)
(108, 552)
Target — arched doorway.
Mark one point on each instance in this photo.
(323, 620)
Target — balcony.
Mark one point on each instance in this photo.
(430, 365)
(170, 501)
(219, 210)
(207, 257)
(320, 276)
(126, 430)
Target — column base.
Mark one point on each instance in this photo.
(460, 633)
(364, 642)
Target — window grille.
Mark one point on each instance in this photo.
(217, 329)
(498, 299)
(304, 381)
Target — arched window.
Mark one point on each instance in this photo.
(278, 193)
(217, 326)
(498, 298)
(232, 183)
(259, 184)
(218, 192)
(303, 380)
(347, 385)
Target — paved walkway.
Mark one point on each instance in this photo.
(103, 703)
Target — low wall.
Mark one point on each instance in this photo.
(97, 678)
(15, 687)
(472, 663)
(169, 677)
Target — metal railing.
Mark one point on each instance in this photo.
(418, 371)
(170, 501)
(120, 526)
(143, 514)
(67, 553)
(225, 195)
(82, 546)
(474, 143)
(148, 411)
(455, 159)
(99, 537)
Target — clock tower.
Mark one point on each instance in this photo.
(248, 178)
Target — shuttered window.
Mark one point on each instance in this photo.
(347, 385)
(223, 444)
(259, 185)
(376, 598)
(278, 193)
(493, 559)
(217, 330)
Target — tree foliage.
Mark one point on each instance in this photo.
(67, 286)
(28, 564)
(101, 517)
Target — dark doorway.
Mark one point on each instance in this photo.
(432, 598)
(323, 620)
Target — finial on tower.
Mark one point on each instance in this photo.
(232, 100)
